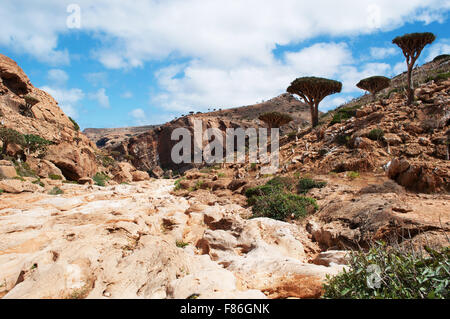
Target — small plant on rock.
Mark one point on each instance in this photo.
(56, 191)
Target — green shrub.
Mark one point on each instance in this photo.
(1, 191)
(55, 177)
(306, 184)
(76, 127)
(344, 114)
(38, 182)
(220, 175)
(36, 143)
(100, 179)
(10, 136)
(400, 275)
(56, 191)
(275, 185)
(24, 170)
(342, 139)
(352, 175)
(442, 76)
(281, 206)
(178, 184)
(107, 161)
(181, 244)
(376, 134)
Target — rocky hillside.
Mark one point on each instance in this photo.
(151, 149)
(46, 143)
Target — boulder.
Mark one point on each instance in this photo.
(7, 172)
(157, 172)
(73, 162)
(123, 173)
(140, 176)
(86, 181)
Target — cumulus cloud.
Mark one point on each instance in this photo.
(139, 116)
(68, 99)
(380, 53)
(135, 32)
(194, 84)
(57, 77)
(97, 78)
(438, 48)
(101, 98)
(126, 95)
(229, 48)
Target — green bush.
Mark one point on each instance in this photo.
(1, 191)
(38, 182)
(100, 179)
(344, 114)
(178, 184)
(306, 184)
(401, 275)
(281, 206)
(11, 136)
(342, 139)
(56, 191)
(36, 143)
(352, 175)
(24, 170)
(275, 185)
(181, 244)
(107, 161)
(376, 134)
(76, 127)
(55, 177)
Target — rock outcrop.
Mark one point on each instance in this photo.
(72, 152)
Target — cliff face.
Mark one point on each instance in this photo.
(71, 152)
(152, 148)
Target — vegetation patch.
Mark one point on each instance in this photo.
(56, 191)
(76, 127)
(100, 179)
(376, 134)
(276, 200)
(282, 206)
(344, 114)
(181, 244)
(55, 177)
(353, 175)
(178, 183)
(392, 273)
(306, 184)
(24, 170)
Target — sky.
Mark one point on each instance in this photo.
(114, 63)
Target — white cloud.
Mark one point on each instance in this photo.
(438, 48)
(380, 53)
(126, 95)
(194, 84)
(399, 68)
(57, 77)
(67, 98)
(139, 117)
(132, 33)
(101, 97)
(97, 78)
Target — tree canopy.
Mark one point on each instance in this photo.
(275, 119)
(412, 44)
(313, 90)
(374, 84)
(10, 136)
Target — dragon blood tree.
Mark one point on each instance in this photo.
(313, 90)
(275, 119)
(374, 84)
(412, 45)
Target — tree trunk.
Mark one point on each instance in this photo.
(315, 115)
(410, 92)
(5, 146)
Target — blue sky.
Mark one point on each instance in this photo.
(144, 62)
